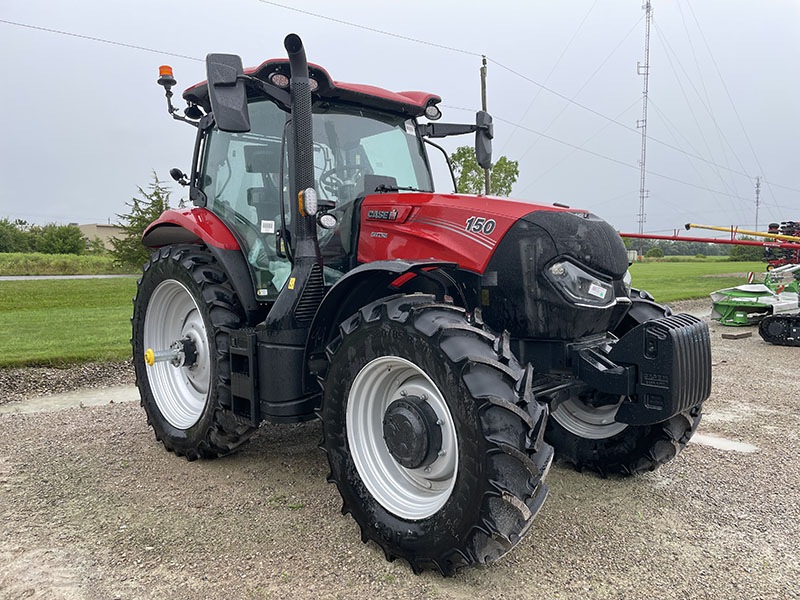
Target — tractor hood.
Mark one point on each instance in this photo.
(459, 228)
(543, 268)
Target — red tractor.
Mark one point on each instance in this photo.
(447, 342)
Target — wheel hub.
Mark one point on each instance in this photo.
(412, 432)
(379, 442)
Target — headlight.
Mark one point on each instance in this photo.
(580, 287)
(626, 281)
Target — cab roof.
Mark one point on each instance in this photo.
(411, 104)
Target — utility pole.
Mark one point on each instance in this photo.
(644, 69)
(758, 195)
(483, 107)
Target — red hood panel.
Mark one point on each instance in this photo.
(449, 227)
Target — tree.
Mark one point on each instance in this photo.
(14, 236)
(469, 175)
(746, 253)
(128, 250)
(655, 253)
(57, 239)
(96, 246)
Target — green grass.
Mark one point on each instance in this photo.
(686, 258)
(36, 263)
(59, 322)
(669, 281)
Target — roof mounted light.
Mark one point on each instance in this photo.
(165, 76)
(432, 112)
(279, 79)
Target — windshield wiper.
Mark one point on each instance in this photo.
(383, 188)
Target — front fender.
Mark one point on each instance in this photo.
(201, 226)
(356, 284)
(190, 225)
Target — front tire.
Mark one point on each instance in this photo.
(582, 442)
(467, 490)
(184, 293)
(588, 438)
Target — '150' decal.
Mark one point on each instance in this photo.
(481, 225)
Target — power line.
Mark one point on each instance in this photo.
(444, 47)
(672, 130)
(785, 187)
(727, 92)
(705, 93)
(502, 66)
(607, 118)
(372, 29)
(585, 83)
(97, 39)
(571, 152)
(552, 70)
(611, 159)
(689, 104)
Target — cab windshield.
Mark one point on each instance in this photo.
(355, 151)
(350, 144)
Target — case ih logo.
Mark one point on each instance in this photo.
(382, 215)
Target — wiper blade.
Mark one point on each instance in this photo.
(383, 188)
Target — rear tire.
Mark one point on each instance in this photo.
(183, 289)
(477, 499)
(588, 438)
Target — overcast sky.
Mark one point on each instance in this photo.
(85, 122)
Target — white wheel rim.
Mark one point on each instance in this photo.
(412, 494)
(180, 392)
(589, 422)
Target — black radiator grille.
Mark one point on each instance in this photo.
(312, 296)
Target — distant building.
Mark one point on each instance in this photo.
(100, 230)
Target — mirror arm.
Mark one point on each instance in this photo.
(440, 130)
(447, 159)
(281, 96)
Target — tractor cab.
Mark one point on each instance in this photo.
(245, 180)
(365, 140)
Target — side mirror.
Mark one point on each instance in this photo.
(483, 139)
(227, 93)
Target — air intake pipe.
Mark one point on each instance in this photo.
(290, 316)
(302, 145)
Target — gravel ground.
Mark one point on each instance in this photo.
(30, 382)
(92, 507)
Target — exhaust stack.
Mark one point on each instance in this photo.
(302, 142)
